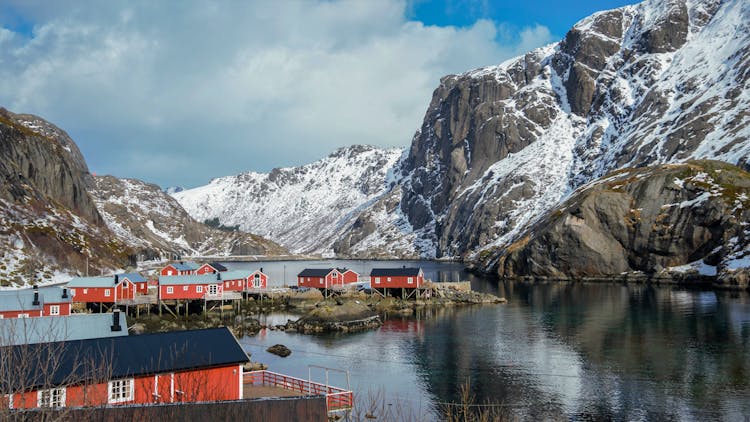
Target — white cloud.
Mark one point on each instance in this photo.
(232, 87)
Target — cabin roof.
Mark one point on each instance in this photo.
(235, 275)
(315, 272)
(92, 282)
(123, 357)
(395, 272)
(343, 270)
(15, 331)
(179, 280)
(184, 266)
(133, 277)
(217, 266)
(23, 299)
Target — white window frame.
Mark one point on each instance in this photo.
(410, 280)
(377, 280)
(213, 289)
(120, 391)
(389, 279)
(55, 398)
(257, 281)
(54, 309)
(85, 291)
(23, 316)
(185, 288)
(170, 290)
(169, 272)
(107, 293)
(199, 289)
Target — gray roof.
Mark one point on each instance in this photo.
(185, 266)
(395, 272)
(92, 282)
(133, 277)
(235, 275)
(315, 272)
(189, 279)
(23, 299)
(15, 331)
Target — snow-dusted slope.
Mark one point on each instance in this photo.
(661, 81)
(303, 208)
(156, 226)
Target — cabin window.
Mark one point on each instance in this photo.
(1, 316)
(410, 280)
(106, 293)
(256, 282)
(54, 310)
(170, 289)
(120, 390)
(199, 289)
(169, 272)
(184, 288)
(377, 280)
(85, 291)
(213, 289)
(54, 397)
(335, 275)
(23, 315)
(389, 279)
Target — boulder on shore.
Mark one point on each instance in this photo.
(279, 350)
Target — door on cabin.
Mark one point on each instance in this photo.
(163, 388)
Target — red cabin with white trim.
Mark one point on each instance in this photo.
(35, 302)
(320, 278)
(179, 268)
(399, 278)
(258, 280)
(210, 268)
(350, 276)
(175, 367)
(191, 287)
(101, 289)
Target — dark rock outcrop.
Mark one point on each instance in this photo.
(683, 219)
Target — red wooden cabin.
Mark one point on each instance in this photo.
(191, 287)
(179, 268)
(211, 267)
(141, 284)
(257, 280)
(399, 278)
(35, 302)
(178, 366)
(320, 278)
(350, 276)
(101, 289)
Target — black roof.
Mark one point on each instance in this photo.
(315, 272)
(395, 272)
(217, 266)
(104, 359)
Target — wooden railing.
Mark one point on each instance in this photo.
(336, 398)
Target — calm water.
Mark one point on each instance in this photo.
(555, 351)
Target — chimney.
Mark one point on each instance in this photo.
(36, 296)
(117, 279)
(261, 269)
(65, 293)
(218, 276)
(116, 321)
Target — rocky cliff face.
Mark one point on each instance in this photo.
(658, 82)
(675, 220)
(48, 222)
(303, 208)
(157, 227)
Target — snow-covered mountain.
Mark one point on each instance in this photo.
(305, 209)
(500, 147)
(157, 227)
(661, 81)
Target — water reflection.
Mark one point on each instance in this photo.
(559, 350)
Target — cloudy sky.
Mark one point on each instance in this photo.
(179, 92)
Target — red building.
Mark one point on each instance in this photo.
(350, 276)
(320, 278)
(399, 278)
(178, 366)
(211, 267)
(257, 280)
(141, 284)
(191, 287)
(101, 289)
(179, 268)
(35, 302)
